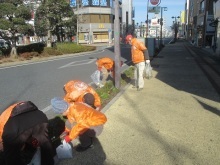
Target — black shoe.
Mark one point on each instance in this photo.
(80, 148)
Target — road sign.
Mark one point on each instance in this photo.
(154, 2)
(155, 10)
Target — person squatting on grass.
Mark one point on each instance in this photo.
(106, 66)
(88, 122)
(139, 55)
(23, 125)
(78, 91)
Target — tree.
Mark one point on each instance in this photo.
(57, 17)
(13, 17)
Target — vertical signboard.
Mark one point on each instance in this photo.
(209, 29)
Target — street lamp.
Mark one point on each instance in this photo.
(161, 23)
(175, 26)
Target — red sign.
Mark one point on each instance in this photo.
(154, 2)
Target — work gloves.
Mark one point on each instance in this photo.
(147, 61)
(67, 139)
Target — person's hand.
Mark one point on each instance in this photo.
(147, 61)
(98, 108)
(67, 139)
(64, 134)
(99, 68)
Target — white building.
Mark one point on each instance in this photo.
(95, 20)
(127, 15)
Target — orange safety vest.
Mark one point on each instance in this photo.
(137, 49)
(85, 117)
(4, 118)
(76, 89)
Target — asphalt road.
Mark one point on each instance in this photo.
(42, 80)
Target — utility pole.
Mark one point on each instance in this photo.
(161, 24)
(147, 27)
(117, 46)
(77, 23)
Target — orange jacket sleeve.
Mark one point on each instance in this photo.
(137, 49)
(85, 117)
(4, 118)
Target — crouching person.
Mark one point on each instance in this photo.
(78, 91)
(23, 125)
(88, 121)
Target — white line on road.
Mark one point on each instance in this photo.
(76, 63)
(55, 58)
(47, 108)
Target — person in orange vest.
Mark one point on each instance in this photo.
(23, 125)
(78, 91)
(88, 123)
(139, 56)
(106, 66)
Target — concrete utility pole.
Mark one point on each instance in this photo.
(77, 23)
(161, 24)
(117, 46)
(147, 27)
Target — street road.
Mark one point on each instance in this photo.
(41, 81)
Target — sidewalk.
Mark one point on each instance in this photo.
(174, 120)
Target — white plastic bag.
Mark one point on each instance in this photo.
(96, 77)
(148, 70)
(36, 160)
(64, 151)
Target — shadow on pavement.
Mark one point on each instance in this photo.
(176, 67)
(208, 107)
(94, 156)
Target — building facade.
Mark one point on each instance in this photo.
(216, 24)
(199, 27)
(95, 20)
(127, 24)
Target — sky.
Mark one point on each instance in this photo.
(174, 7)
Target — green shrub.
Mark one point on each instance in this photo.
(68, 48)
(48, 51)
(34, 47)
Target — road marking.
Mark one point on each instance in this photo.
(47, 109)
(76, 63)
(55, 58)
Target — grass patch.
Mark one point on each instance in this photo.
(109, 91)
(59, 49)
(68, 48)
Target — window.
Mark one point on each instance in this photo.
(72, 3)
(85, 2)
(103, 2)
(201, 7)
(95, 2)
(111, 3)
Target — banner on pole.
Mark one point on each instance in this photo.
(155, 10)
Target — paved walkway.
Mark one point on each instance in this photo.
(173, 121)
